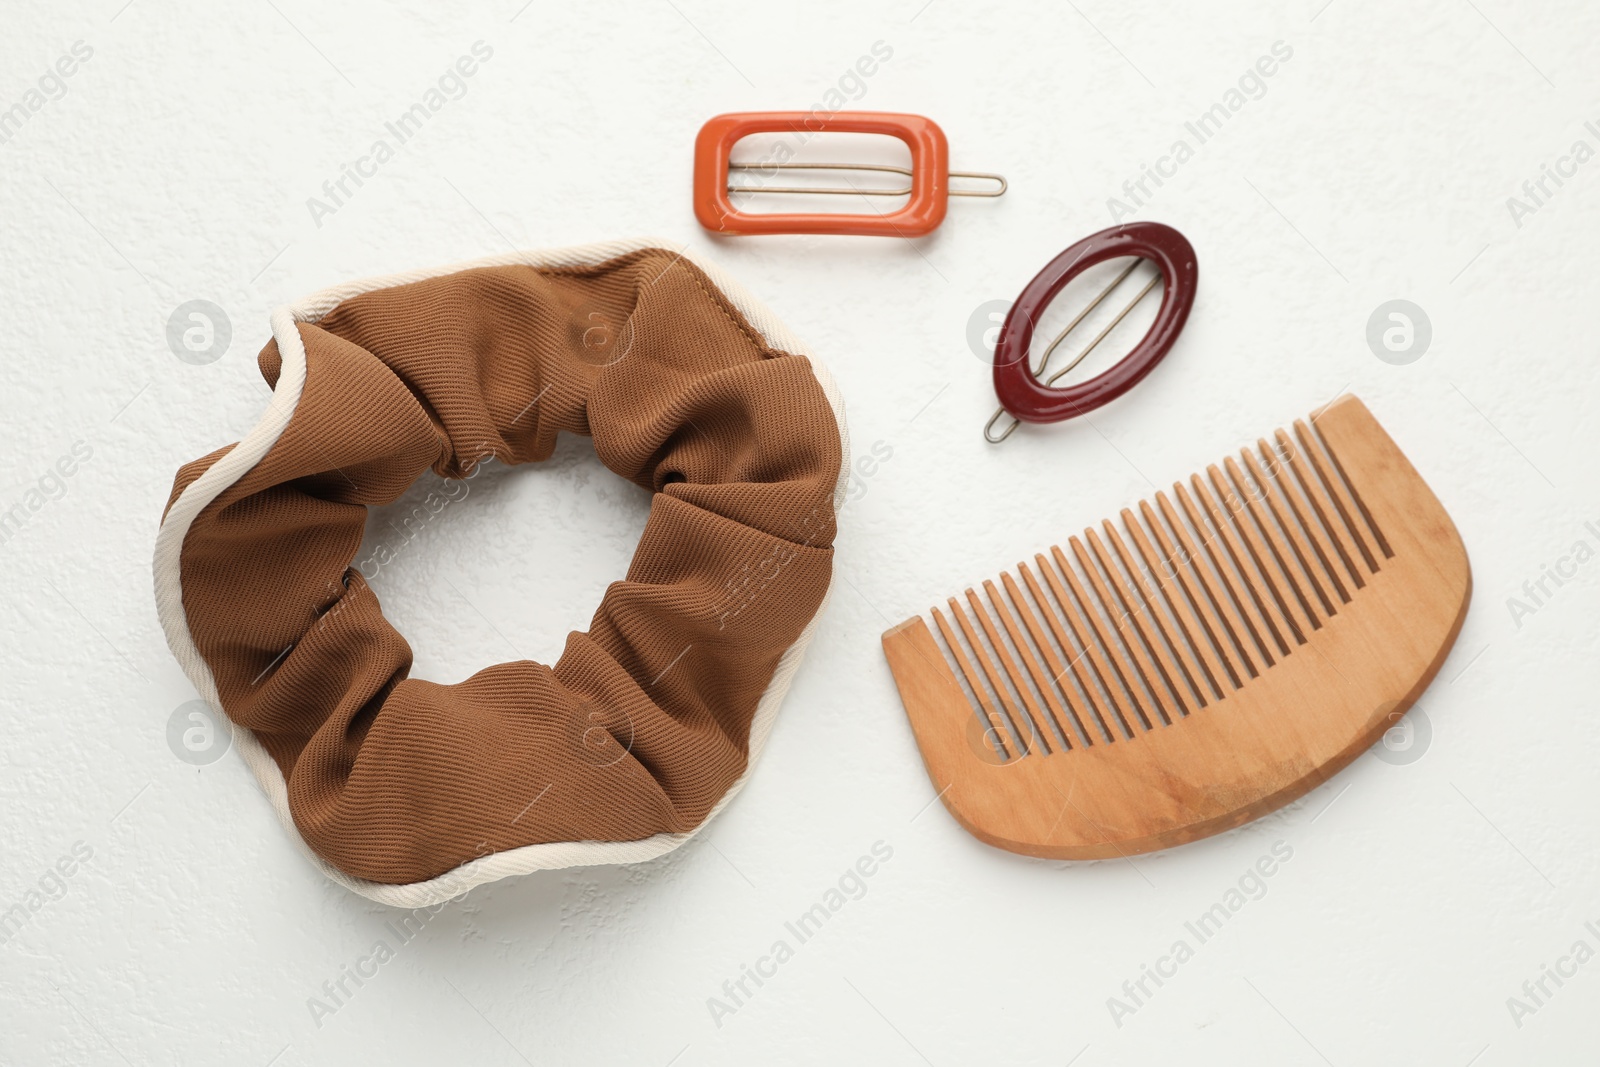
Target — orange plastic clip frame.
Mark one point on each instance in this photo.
(930, 166)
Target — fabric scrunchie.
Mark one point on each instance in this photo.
(409, 791)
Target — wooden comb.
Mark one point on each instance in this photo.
(1247, 637)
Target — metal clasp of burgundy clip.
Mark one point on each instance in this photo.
(1017, 384)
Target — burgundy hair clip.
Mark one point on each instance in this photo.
(1017, 384)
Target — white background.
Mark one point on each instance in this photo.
(1377, 165)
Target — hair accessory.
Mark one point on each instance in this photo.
(1017, 385)
(1250, 636)
(928, 188)
(409, 791)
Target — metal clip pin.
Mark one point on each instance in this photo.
(1044, 361)
(884, 168)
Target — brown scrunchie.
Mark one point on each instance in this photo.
(644, 723)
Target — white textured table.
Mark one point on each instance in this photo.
(1418, 902)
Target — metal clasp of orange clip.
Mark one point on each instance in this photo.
(929, 174)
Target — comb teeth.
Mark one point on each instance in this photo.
(1194, 597)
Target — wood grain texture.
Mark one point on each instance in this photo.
(1204, 664)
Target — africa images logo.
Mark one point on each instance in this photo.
(198, 735)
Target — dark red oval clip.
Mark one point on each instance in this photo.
(1017, 384)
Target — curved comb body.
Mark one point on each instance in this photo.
(1228, 647)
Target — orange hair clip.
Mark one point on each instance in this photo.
(929, 188)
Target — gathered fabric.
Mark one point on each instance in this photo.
(644, 723)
